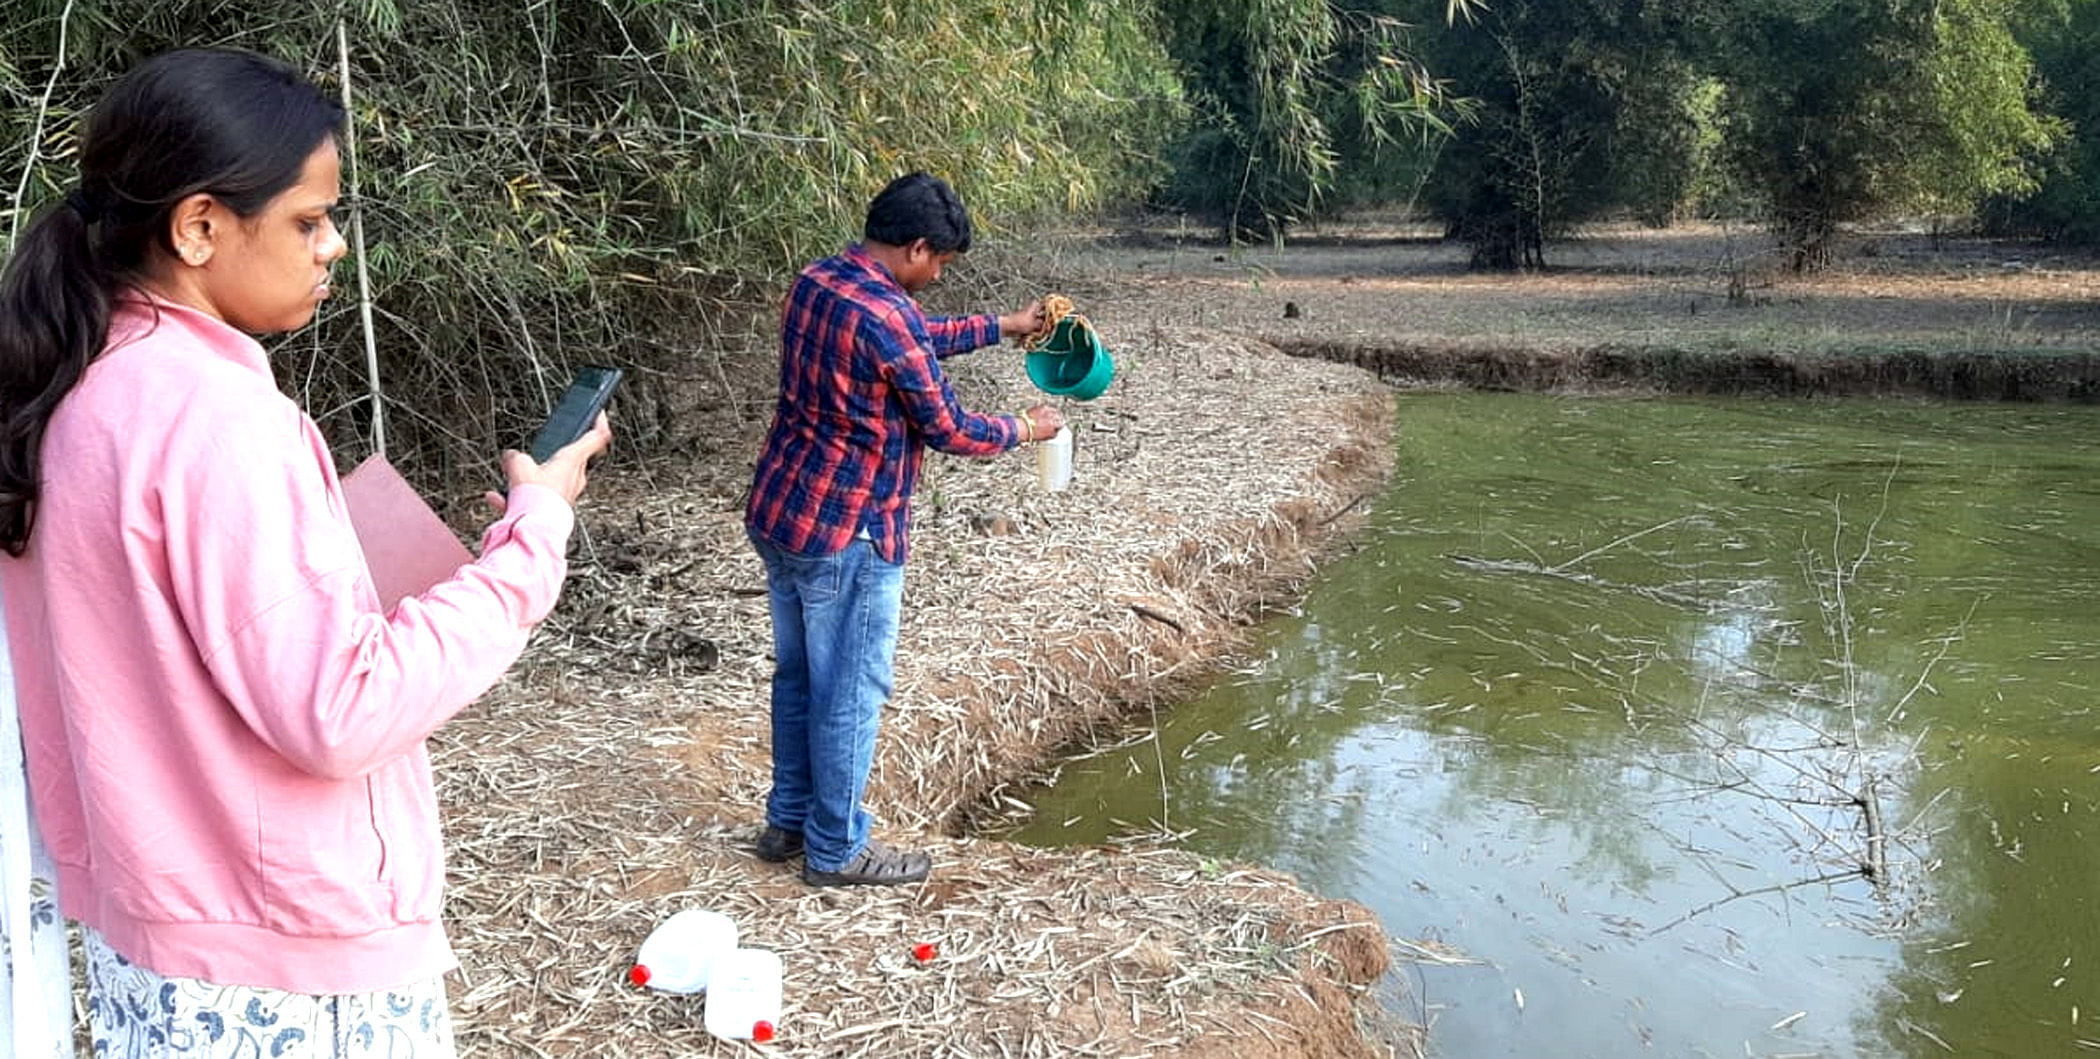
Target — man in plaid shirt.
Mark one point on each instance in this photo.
(862, 396)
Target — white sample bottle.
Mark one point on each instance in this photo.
(743, 996)
(1053, 461)
(681, 952)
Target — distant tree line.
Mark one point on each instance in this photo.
(1802, 114)
(2066, 205)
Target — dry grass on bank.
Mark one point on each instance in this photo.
(619, 774)
(1382, 283)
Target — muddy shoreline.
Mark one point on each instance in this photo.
(1698, 309)
(1983, 376)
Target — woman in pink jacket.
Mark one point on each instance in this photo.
(222, 725)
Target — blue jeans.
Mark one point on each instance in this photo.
(835, 639)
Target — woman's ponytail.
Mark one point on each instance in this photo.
(54, 318)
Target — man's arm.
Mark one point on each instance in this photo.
(914, 374)
(950, 335)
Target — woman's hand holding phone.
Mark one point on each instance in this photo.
(564, 472)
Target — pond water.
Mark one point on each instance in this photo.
(1683, 728)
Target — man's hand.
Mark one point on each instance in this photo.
(1042, 422)
(1022, 322)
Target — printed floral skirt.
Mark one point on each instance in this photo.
(136, 1014)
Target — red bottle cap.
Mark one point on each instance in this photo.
(639, 975)
(924, 951)
(761, 1031)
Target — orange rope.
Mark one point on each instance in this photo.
(1055, 308)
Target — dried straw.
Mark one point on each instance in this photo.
(618, 774)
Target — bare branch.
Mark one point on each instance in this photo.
(36, 130)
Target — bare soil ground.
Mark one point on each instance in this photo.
(1698, 309)
(1384, 282)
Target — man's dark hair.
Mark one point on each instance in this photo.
(919, 206)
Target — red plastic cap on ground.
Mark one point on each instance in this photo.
(924, 951)
(639, 975)
(761, 1031)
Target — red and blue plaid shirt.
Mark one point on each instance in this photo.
(861, 397)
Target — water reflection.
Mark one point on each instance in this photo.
(1612, 684)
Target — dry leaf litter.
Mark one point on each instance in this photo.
(618, 774)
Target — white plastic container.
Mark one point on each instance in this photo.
(682, 951)
(743, 996)
(1053, 461)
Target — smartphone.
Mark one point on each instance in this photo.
(576, 411)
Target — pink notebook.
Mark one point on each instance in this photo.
(407, 546)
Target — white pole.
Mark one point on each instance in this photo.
(357, 241)
(36, 983)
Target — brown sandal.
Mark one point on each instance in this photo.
(877, 865)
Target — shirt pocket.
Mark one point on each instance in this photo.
(323, 860)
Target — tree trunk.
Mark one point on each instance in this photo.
(1506, 241)
(1805, 237)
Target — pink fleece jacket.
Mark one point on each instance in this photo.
(224, 731)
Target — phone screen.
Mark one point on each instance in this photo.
(576, 411)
